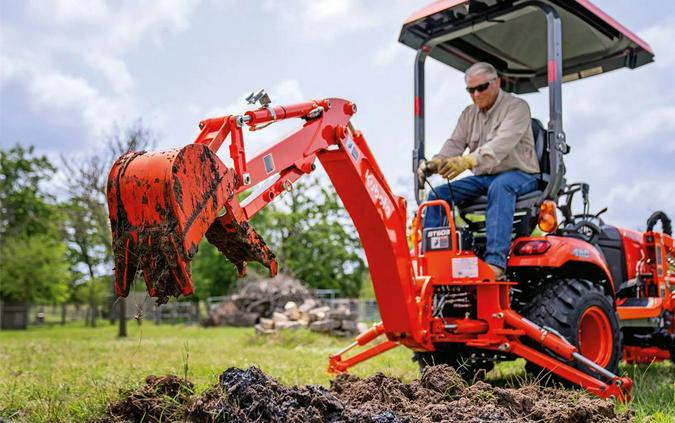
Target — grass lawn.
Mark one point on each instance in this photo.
(70, 373)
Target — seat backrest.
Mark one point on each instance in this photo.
(541, 148)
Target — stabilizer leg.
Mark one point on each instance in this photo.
(338, 365)
(615, 387)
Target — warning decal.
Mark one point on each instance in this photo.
(465, 267)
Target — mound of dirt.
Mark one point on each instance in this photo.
(440, 395)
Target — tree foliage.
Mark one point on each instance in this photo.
(88, 231)
(25, 209)
(34, 269)
(50, 253)
(212, 274)
(33, 265)
(314, 238)
(84, 235)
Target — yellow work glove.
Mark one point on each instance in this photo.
(432, 166)
(453, 166)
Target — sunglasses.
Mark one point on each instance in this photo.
(480, 88)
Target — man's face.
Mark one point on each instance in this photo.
(486, 98)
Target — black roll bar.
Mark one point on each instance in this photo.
(418, 151)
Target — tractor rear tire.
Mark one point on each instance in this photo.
(581, 312)
(468, 364)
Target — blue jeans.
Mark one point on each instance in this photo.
(502, 191)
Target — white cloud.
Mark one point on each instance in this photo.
(324, 11)
(60, 91)
(136, 20)
(70, 12)
(660, 38)
(74, 97)
(287, 91)
(9, 69)
(320, 19)
(388, 53)
(63, 95)
(620, 142)
(112, 26)
(631, 203)
(73, 63)
(113, 69)
(323, 20)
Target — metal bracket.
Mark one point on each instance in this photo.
(259, 97)
(561, 144)
(315, 113)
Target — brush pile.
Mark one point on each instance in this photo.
(282, 303)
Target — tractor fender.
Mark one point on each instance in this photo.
(571, 256)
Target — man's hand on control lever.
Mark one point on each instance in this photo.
(451, 167)
(426, 169)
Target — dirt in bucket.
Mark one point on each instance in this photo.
(440, 395)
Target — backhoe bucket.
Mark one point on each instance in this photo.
(162, 204)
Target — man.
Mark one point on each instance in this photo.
(497, 131)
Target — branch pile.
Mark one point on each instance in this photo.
(282, 303)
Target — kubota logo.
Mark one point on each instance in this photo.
(377, 193)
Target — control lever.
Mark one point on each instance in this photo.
(422, 173)
(261, 96)
(585, 188)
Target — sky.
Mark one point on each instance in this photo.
(72, 71)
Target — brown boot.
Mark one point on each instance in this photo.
(499, 272)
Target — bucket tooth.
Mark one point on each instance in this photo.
(240, 243)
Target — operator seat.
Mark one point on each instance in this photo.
(525, 217)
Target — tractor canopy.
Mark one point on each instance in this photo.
(513, 38)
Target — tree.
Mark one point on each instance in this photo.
(32, 255)
(87, 246)
(33, 269)
(25, 209)
(212, 274)
(310, 232)
(314, 238)
(90, 238)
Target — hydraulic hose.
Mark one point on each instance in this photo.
(666, 224)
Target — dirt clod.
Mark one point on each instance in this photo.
(161, 399)
(440, 395)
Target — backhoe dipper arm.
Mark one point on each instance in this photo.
(379, 215)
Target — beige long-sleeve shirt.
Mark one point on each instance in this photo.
(500, 138)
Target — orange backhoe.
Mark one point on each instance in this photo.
(577, 297)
